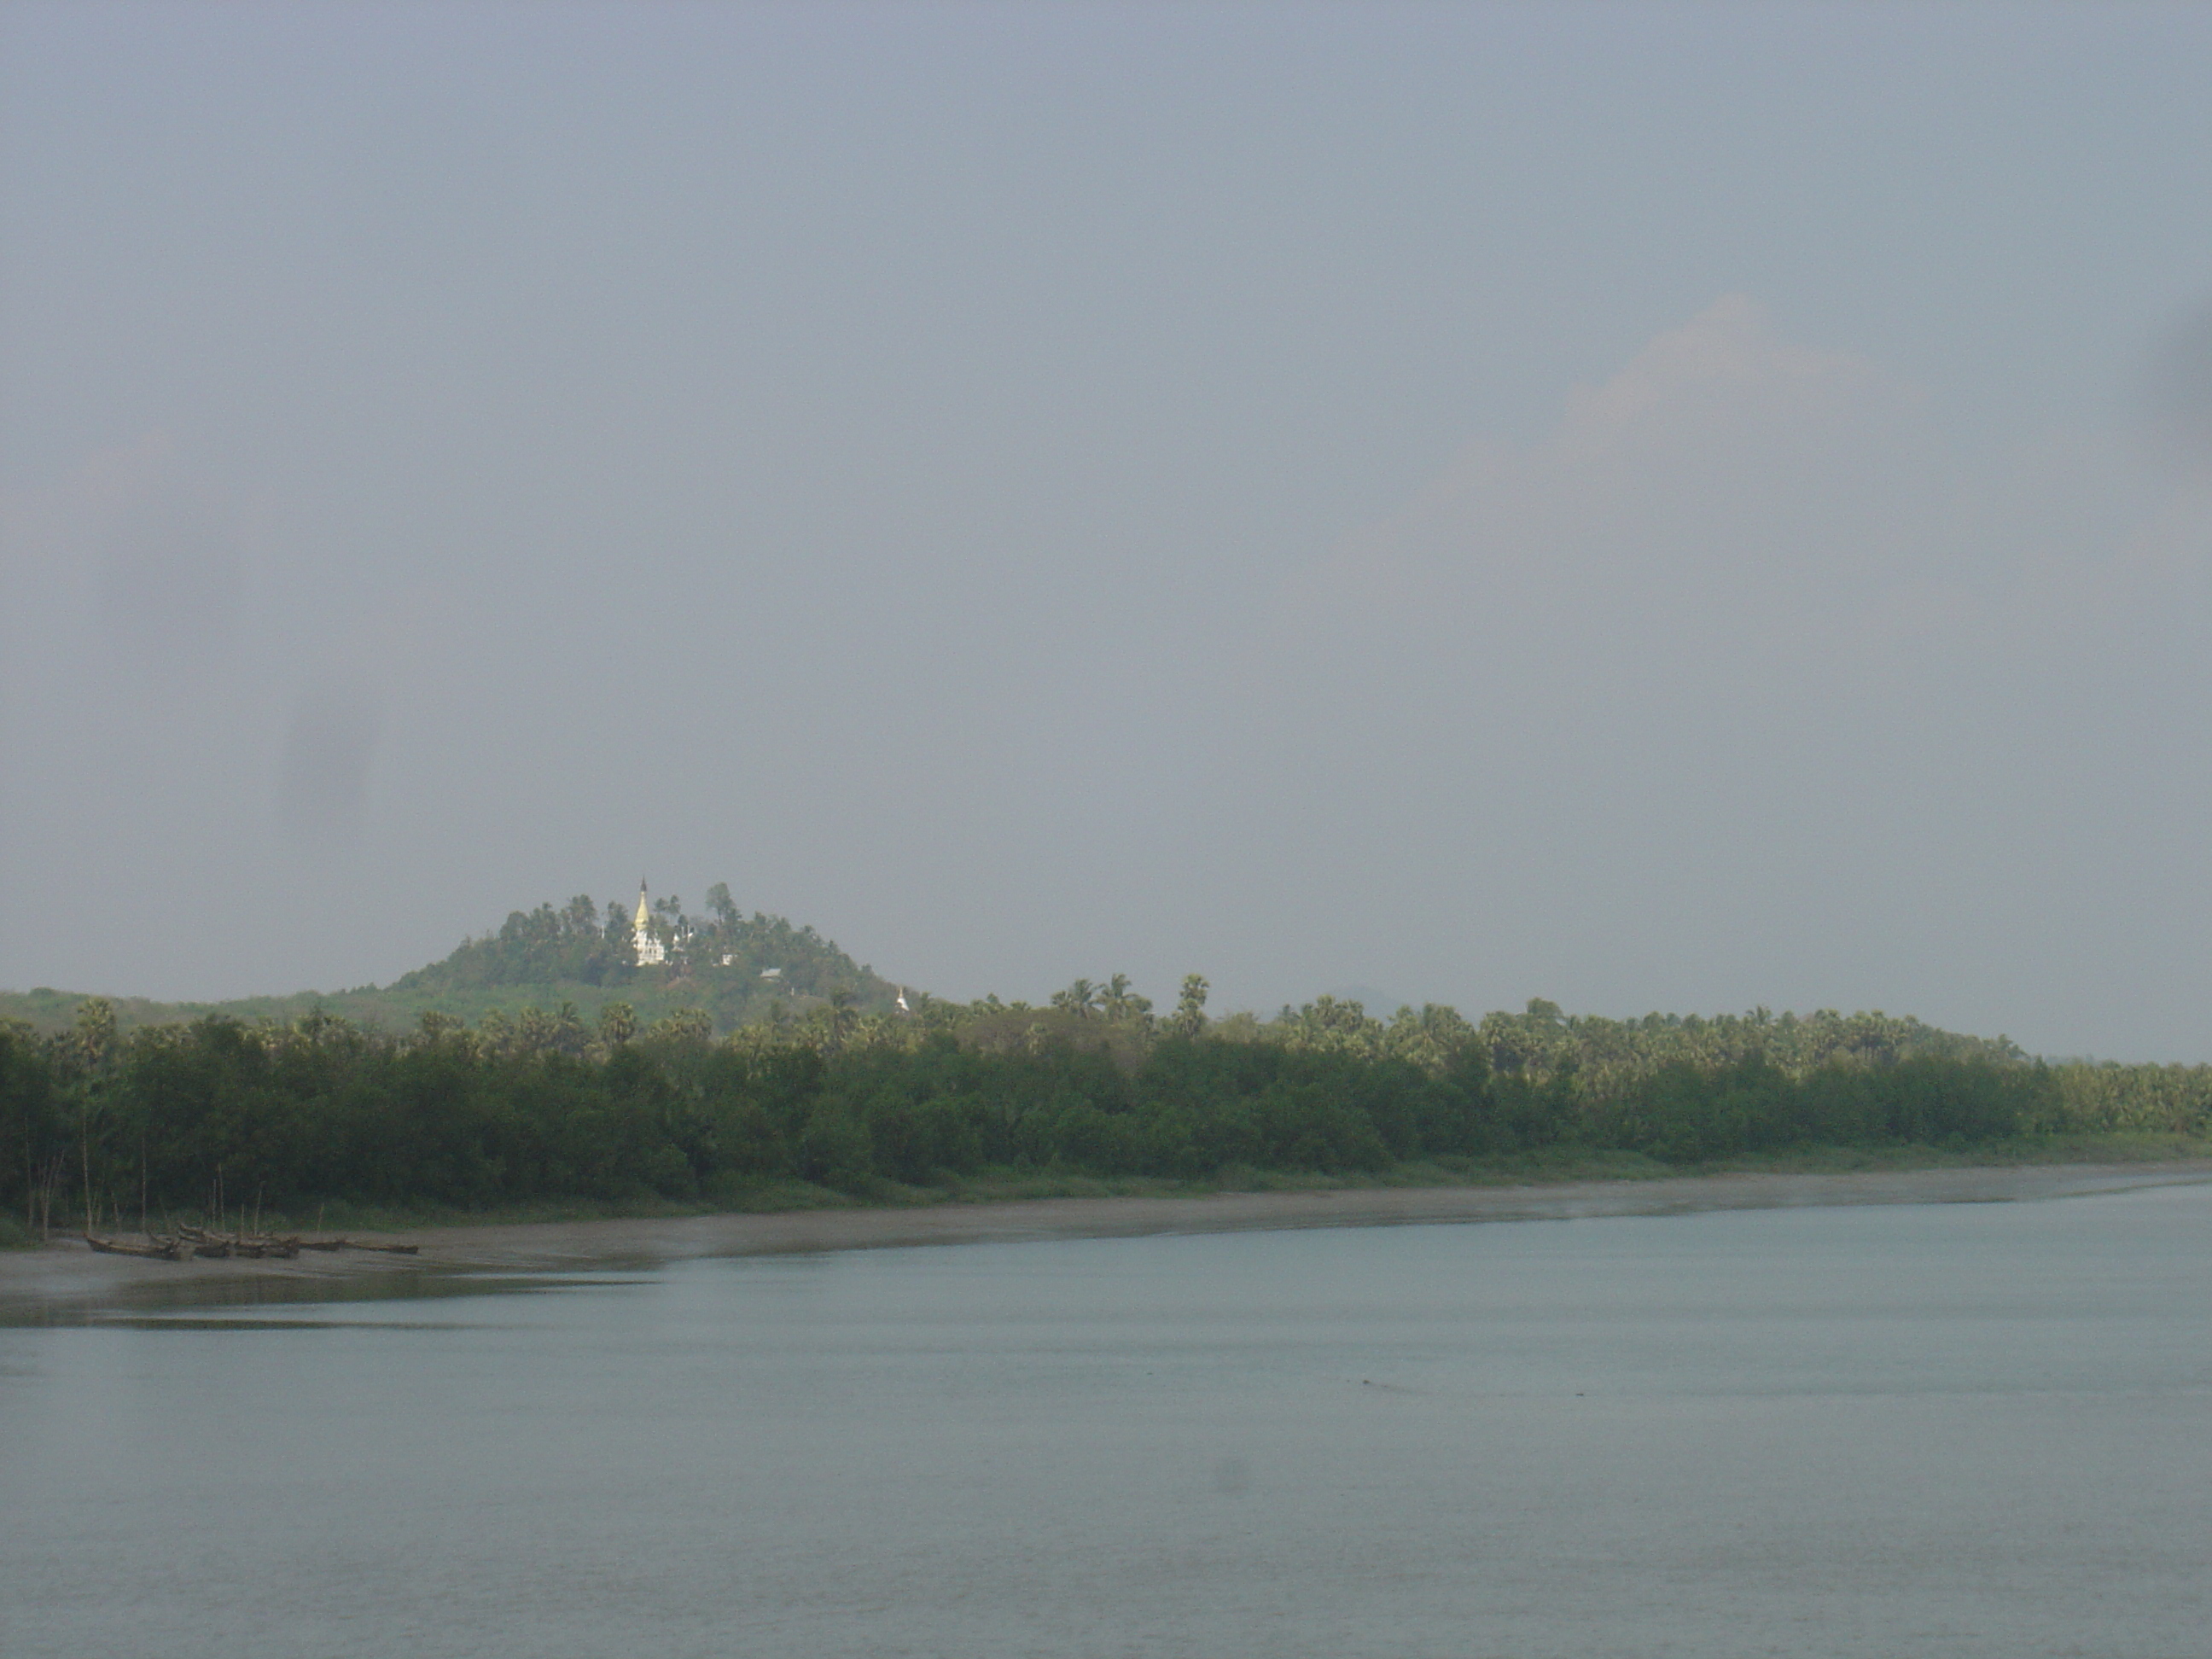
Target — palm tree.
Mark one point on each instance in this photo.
(1189, 1017)
(95, 1031)
(1120, 1004)
(840, 1016)
(1080, 999)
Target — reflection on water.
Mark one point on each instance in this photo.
(246, 1322)
(143, 1301)
(1927, 1429)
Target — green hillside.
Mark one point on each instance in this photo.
(734, 968)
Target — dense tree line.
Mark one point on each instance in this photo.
(544, 1106)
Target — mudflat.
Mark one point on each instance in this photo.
(66, 1271)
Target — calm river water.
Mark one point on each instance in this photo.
(1925, 1430)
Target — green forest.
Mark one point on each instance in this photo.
(98, 1121)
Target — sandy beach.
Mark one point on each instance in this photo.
(41, 1282)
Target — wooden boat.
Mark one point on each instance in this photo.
(159, 1249)
(355, 1244)
(282, 1250)
(217, 1247)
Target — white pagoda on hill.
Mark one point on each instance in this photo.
(650, 950)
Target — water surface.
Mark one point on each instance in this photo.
(1927, 1430)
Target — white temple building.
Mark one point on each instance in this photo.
(650, 950)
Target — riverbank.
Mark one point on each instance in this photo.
(38, 1284)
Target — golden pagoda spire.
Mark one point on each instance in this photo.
(650, 950)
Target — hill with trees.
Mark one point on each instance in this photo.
(730, 967)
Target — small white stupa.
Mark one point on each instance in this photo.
(650, 950)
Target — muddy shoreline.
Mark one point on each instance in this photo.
(64, 1272)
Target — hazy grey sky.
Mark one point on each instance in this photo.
(1650, 508)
